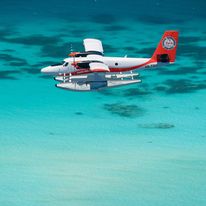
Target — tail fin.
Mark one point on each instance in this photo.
(166, 50)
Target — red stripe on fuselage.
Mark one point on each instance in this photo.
(125, 69)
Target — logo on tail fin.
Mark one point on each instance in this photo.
(169, 43)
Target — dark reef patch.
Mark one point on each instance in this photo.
(13, 61)
(136, 92)
(184, 86)
(79, 32)
(157, 126)
(5, 32)
(130, 48)
(179, 71)
(144, 90)
(31, 70)
(17, 64)
(57, 51)
(7, 50)
(201, 64)
(7, 77)
(7, 74)
(103, 18)
(107, 92)
(157, 19)
(110, 49)
(146, 51)
(161, 88)
(115, 28)
(45, 77)
(9, 58)
(194, 77)
(188, 39)
(34, 40)
(79, 113)
(172, 86)
(189, 50)
(124, 110)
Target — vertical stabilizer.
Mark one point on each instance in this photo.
(166, 49)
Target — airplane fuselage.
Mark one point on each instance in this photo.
(115, 64)
(91, 70)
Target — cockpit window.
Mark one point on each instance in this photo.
(66, 64)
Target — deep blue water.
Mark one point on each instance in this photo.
(136, 145)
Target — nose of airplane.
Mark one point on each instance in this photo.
(54, 69)
(46, 70)
(50, 70)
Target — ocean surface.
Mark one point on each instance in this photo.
(143, 144)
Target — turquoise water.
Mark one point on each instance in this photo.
(143, 144)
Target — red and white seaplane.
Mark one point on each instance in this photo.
(91, 70)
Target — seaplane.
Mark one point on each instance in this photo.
(92, 70)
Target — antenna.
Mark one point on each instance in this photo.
(71, 50)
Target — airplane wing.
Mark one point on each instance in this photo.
(98, 67)
(93, 45)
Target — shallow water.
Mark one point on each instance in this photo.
(143, 144)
